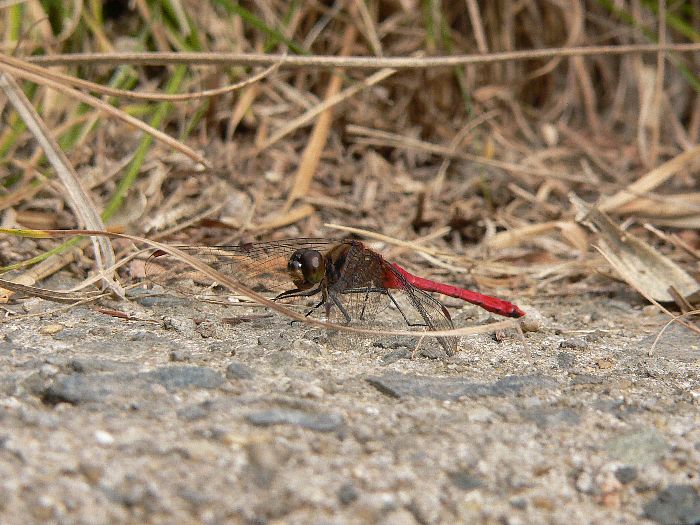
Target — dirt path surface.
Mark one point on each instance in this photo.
(180, 418)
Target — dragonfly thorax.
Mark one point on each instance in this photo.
(306, 267)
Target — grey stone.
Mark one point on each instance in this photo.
(626, 474)
(548, 417)
(33, 384)
(586, 379)
(464, 480)
(347, 493)
(79, 388)
(565, 360)
(87, 388)
(39, 418)
(194, 412)
(168, 301)
(68, 334)
(638, 447)
(219, 347)
(433, 352)
(175, 377)
(138, 336)
(320, 422)
(282, 358)
(85, 365)
(675, 505)
(134, 492)
(518, 503)
(575, 343)
(395, 355)
(274, 341)
(236, 370)
(446, 388)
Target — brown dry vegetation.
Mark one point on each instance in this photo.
(474, 161)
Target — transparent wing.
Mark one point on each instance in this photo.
(361, 291)
(423, 309)
(261, 266)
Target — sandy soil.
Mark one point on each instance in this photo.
(178, 417)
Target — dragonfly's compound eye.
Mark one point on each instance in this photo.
(306, 268)
(312, 266)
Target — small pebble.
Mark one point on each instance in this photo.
(576, 343)
(51, 329)
(347, 493)
(103, 437)
(237, 370)
(584, 483)
(532, 322)
(626, 474)
(518, 503)
(565, 360)
(605, 363)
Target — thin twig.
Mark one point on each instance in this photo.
(355, 62)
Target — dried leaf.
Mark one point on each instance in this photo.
(638, 263)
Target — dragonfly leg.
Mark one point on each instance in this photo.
(298, 293)
(340, 306)
(301, 293)
(401, 311)
(364, 304)
(386, 292)
(315, 306)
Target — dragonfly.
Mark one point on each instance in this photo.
(352, 282)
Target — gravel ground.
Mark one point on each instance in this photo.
(178, 417)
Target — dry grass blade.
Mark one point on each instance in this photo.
(676, 319)
(108, 109)
(77, 196)
(312, 153)
(290, 216)
(357, 62)
(648, 182)
(383, 138)
(135, 95)
(327, 104)
(675, 240)
(57, 296)
(663, 206)
(385, 238)
(43, 269)
(516, 236)
(638, 263)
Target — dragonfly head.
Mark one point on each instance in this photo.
(306, 268)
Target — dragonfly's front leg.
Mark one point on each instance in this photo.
(303, 293)
(323, 300)
(299, 293)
